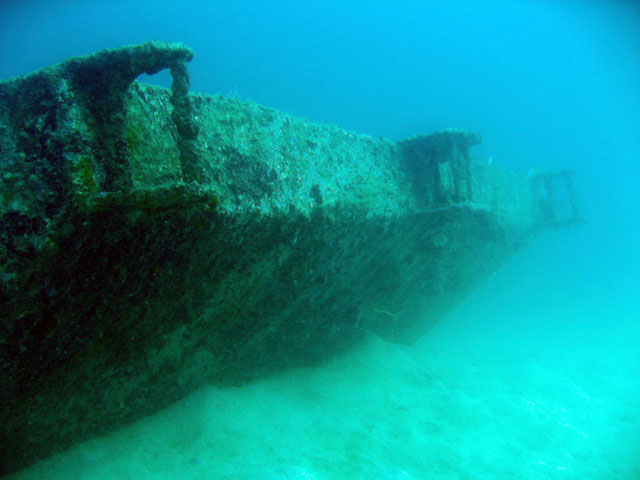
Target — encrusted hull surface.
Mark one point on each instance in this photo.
(153, 241)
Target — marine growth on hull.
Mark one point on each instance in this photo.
(155, 240)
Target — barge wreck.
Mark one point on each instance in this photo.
(154, 240)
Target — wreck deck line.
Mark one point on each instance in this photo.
(153, 241)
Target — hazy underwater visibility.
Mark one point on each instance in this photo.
(320, 240)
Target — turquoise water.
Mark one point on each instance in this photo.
(531, 377)
(536, 375)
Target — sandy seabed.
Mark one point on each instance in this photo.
(516, 383)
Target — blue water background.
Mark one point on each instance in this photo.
(549, 84)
